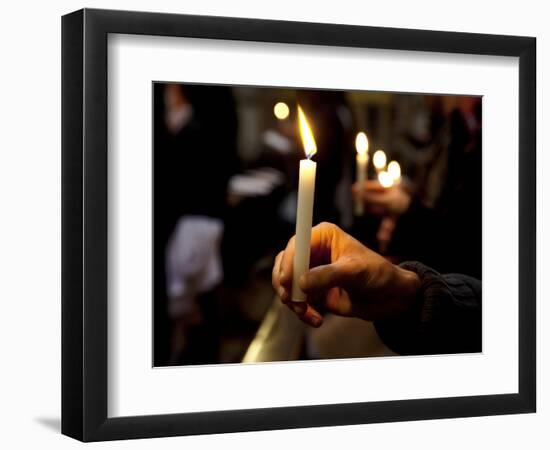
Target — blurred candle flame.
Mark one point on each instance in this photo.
(379, 159)
(308, 141)
(281, 110)
(394, 169)
(385, 179)
(362, 143)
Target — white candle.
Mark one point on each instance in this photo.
(362, 161)
(304, 209)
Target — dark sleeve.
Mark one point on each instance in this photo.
(446, 319)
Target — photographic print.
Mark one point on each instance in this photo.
(314, 210)
(302, 224)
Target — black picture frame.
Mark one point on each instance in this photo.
(84, 224)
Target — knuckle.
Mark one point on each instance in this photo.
(354, 269)
(329, 226)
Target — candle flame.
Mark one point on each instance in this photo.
(362, 143)
(379, 159)
(281, 110)
(394, 169)
(385, 179)
(308, 141)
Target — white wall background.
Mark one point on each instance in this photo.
(30, 205)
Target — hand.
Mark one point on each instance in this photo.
(346, 279)
(381, 201)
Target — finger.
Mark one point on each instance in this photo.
(388, 224)
(275, 273)
(286, 265)
(276, 276)
(385, 230)
(306, 313)
(383, 235)
(338, 302)
(322, 278)
(322, 236)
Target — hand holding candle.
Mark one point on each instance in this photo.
(304, 209)
(347, 279)
(386, 197)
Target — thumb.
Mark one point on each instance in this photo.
(322, 278)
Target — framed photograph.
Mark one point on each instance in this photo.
(273, 224)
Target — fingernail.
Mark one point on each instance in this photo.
(299, 307)
(281, 275)
(316, 321)
(281, 291)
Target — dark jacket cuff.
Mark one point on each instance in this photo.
(446, 317)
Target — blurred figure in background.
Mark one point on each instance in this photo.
(194, 151)
(438, 221)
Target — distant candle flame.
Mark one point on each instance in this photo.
(379, 159)
(281, 110)
(362, 143)
(394, 170)
(385, 179)
(308, 141)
